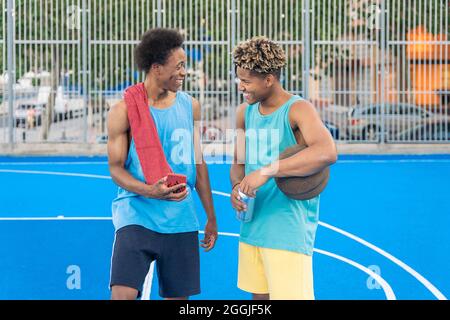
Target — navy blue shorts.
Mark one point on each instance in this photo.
(176, 255)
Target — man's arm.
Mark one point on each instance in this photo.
(202, 184)
(117, 155)
(321, 151)
(237, 172)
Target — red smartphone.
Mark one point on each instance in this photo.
(173, 179)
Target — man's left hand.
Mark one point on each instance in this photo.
(250, 184)
(210, 235)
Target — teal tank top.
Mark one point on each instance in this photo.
(278, 222)
(175, 129)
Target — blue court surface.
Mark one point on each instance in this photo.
(384, 230)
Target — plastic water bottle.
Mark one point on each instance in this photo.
(246, 216)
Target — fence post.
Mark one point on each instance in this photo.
(306, 40)
(232, 43)
(383, 70)
(11, 69)
(84, 55)
(158, 14)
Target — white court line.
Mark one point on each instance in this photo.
(147, 287)
(387, 255)
(221, 193)
(148, 279)
(383, 283)
(339, 161)
(79, 175)
(110, 260)
(52, 163)
(55, 173)
(397, 161)
(390, 295)
(53, 218)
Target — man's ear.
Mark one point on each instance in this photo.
(270, 80)
(156, 68)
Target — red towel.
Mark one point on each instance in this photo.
(143, 129)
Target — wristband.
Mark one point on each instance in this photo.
(235, 185)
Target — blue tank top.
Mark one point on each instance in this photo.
(175, 129)
(278, 222)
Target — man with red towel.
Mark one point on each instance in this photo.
(152, 133)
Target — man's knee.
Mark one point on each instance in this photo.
(123, 293)
(179, 298)
(258, 296)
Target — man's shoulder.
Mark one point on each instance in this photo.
(118, 106)
(242, 108)
(301, 106)
(186, 98)
(302, 111)
(118, 110)
(240, 115)
(184, 95)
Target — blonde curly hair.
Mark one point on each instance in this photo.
(261, 55)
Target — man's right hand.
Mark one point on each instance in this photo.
(160, 190)
(236, 199)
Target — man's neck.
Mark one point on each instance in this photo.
(276, 99)
(154, 92)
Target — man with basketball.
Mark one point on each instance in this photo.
(152, 135)
(276, 246)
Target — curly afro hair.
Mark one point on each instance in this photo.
(260, 55)
(156, 46)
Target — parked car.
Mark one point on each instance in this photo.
(38, 104)
(335, 118)
(333, 130)
(365, 121)
(22, 111)
(61, 105)
(433, 130)
(69, 105)
(103, 138)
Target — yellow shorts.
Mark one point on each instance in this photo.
(284, 275)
